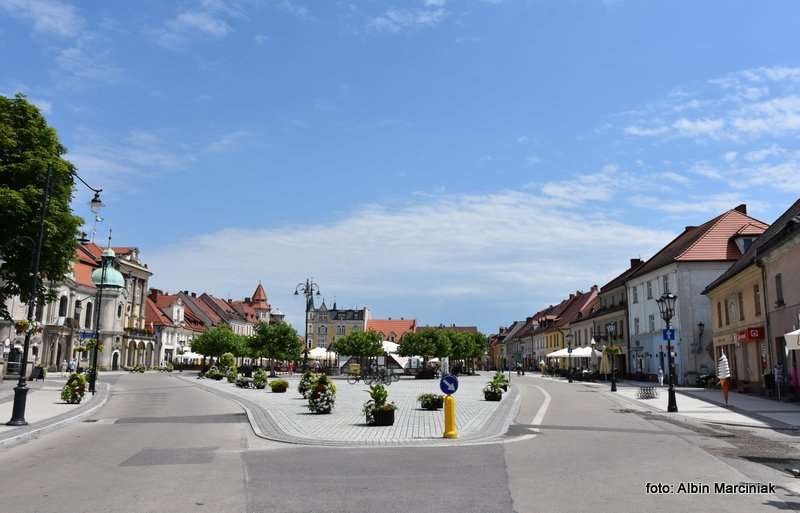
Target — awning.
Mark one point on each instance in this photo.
(792, 339)
(586, 352)
(389, 346)
(561, 353)
(320, 353)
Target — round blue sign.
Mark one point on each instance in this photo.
(448, 384)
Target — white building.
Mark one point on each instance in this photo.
(683, 267)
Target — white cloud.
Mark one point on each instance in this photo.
(675, 177)
(699, 127)
(50, 17)
(208, 17)
(764, 153)
(228, 140)
(730, 156)
(464, 246)
(294, 8)
(396, 20)
(695, 204)
(600, 186)
(86, 62)
(202, 21)
(646, 131)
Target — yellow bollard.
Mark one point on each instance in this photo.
(450, 417)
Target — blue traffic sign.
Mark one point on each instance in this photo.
(668, 334)
(449, 384)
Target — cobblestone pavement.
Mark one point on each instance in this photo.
(288, 412)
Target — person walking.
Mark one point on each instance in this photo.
(724, 375)
(63, 368)
(660, 377)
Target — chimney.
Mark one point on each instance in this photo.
(636, 262)
(741, 208)
(390, 318)
(185, 292)
(247, 300)
(154, 293)
(402, 319)
(194, 295)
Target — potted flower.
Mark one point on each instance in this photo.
(377, 411)
(322, 395)
(431, 401)
(214, 373)
(306, 381)
(75, 388)
(502, 380)
(493, 391)
(260, 379)
(278, 386)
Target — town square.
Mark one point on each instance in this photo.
(458, 256)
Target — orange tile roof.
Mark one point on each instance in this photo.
(717, 243)
(153, 316)
(397, 326)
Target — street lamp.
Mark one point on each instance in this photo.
(611, 327)
(307, 289)
(21, 390)
(568, 338)
(666, 306)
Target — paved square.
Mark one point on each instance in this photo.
(347, 423)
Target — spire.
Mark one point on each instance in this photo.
(259, 299)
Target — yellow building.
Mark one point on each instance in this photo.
(737, 316)
(327, 325)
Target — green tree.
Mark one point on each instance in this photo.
(363, 344)
(427, 343)
(276, 342)
(216, 341)
(27, 147)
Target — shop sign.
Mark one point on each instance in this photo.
(751, 334)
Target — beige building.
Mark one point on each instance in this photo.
(326, 325)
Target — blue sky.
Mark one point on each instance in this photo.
(457, 161)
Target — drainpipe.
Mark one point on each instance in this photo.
(771, 358)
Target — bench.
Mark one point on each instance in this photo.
(647, 392)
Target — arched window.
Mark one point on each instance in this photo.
(77, 314)
(62, 306)
(119, 311)
(89, 320)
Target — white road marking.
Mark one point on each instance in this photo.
(539, 417)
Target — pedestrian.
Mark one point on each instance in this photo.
(63, 367)
(660, 377)
(724, 375)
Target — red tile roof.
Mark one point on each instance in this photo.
(711, 241)
(259, 299)
(153, 316)
(386, 326)
(191, 319)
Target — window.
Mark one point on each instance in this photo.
(62, 306)
(77, 312)
(651, 323)
(727, 313)
(740, 299)
(757, 299)
(649, 290)
(665, 280)
(635, 294)
(779, 288)
(719, 314)
(636, 325)
(88, 323)
(119, 311)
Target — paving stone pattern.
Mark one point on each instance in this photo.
(288, 412)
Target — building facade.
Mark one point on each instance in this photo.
(325, 325)
(684, 267)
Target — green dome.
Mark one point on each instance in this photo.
(113, 277)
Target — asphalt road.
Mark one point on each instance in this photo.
(161, 445)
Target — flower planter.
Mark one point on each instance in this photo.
(492, 396)
(279, 390)
(382, 417)
(434, 404)
(505, 389)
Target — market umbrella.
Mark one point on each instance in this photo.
(792, 339)
(605, 365)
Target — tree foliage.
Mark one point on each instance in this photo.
(216, 341)
(363, 344)
(275, 341)
(27, 147)
(426, 343)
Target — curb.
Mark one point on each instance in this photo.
(258, 417)
(15, 437)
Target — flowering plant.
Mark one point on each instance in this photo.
(322, 395)
(306, 382)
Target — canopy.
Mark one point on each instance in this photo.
(792, 339)
(605, 365)
(188, 355)
(389, 346)
(586, 352)
(320, 353)
(562, 353)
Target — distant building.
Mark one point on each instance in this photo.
(392, 330)
(325, 325)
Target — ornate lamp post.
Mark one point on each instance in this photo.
(611, 327)
(307, 289)
(666, 306)
(568, 338)
(21, 390)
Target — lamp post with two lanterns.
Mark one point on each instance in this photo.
(308, 289)
(666, 307)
